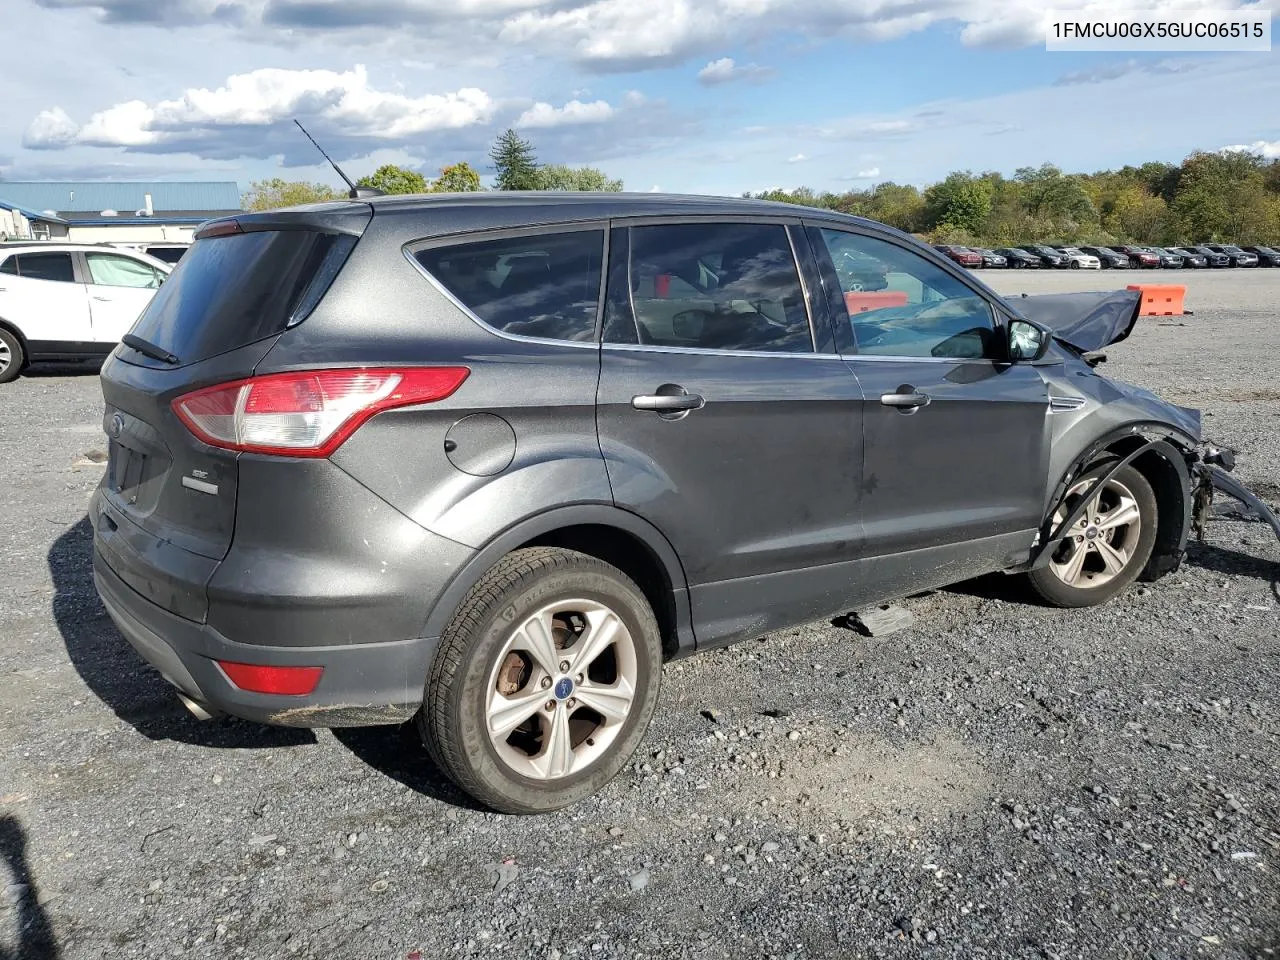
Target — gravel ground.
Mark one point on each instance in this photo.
(1000, 780)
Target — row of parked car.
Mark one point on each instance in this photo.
(1131, 257)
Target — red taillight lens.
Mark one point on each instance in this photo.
(285, 681)
(309, 413)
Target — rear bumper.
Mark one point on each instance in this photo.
(336, 578)
(363, 683)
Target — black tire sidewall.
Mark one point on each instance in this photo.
(484, 773)
(17, 357)
(1053, 590)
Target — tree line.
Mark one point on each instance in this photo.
(1227, 196)
(515, 167)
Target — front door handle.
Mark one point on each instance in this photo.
(668, 403)
(906, 398)
(104, 299)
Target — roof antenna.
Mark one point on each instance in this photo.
(355, 193)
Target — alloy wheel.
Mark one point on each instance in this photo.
(1100, 545)
(561, 689)
(6, 356)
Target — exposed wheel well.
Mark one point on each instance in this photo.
(1169, 485)
(630, 555)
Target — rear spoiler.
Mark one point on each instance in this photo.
(340, 216)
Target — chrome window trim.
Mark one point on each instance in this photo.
(410, 249)
(882, 358)
(713, 352)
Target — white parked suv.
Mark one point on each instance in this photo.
(62, 301)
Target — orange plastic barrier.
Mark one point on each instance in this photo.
(861, 302)
(1161, 299)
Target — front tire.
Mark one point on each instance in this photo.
(544, 683)
(12, 357)
(1110, 545)
(1075, 264)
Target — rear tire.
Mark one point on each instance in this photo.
(546, 637)
(1109, 548)
(12, 356)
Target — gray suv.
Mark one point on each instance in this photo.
(487, 460)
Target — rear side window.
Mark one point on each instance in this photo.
(545, 285)
(43, 266)
(231, 290)
(717, 286)
(112, 270)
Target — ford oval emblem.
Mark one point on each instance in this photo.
(117, 426)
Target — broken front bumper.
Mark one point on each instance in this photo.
(1212, 476)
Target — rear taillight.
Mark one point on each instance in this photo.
(307, 413)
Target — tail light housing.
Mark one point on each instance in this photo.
(308, 413)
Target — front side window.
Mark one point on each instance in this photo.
(545, 285)
(717, 286)
(902, 305)
(111, 270)
(46, 266)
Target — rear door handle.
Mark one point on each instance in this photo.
(907, 398)
(104, 299)
(666, 403)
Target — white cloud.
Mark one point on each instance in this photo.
(606, 34)
(797, 158)
(867, 174)
(1270, 150)
(574, 112)
(888, 126)
(51, 128)
(726, 70)
(346, 103)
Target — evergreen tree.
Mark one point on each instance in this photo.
(514, 162)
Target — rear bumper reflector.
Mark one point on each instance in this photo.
(284, 681)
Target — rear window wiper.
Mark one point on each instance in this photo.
(148, 348)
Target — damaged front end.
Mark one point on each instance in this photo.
(1100, 426)
(1211, 474)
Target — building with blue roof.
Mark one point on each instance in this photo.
(23, 223)
(94, 211)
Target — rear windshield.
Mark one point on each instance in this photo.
(231, 290)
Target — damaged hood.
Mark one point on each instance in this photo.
(1086, 321)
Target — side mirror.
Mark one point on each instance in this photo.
(1027, 342)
